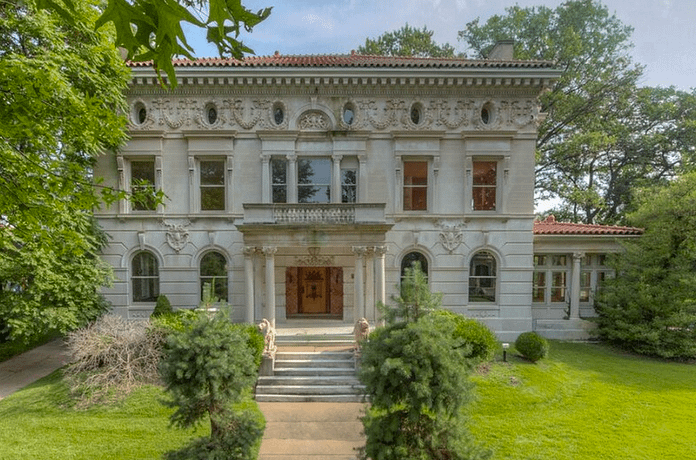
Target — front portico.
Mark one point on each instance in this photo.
(314, 262)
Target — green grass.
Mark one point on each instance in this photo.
(586, 402)
(37, 423)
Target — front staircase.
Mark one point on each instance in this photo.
(312, 368)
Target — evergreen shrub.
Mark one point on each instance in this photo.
(208, 367)
(470, 335)
(162, 307)
(532, 346)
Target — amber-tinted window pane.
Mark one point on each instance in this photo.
(415, 186)
(558, 286)
(484, 185)
(212, 185)
(539, 287)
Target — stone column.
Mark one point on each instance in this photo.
(269, 252)
(265, 178)
(380, 274)
(336, 179)
(359, 282)
(249, 282)
(291, 179)
(575, 286)
(370, 284)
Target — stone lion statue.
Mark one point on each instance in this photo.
(361, 331)
(269, 336)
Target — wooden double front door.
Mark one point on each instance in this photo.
(314, 291)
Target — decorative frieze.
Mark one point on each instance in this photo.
(366, 114)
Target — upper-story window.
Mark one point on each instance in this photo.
(145, 277)
(485, 185)
(212, 185)
(415, 186)
(349, 185)
(142, 181)
(482, 277)
(279, 180)
(314, 180)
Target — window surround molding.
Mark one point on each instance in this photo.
(417, 147)
(212, 146)
(123, 162)
(499, 267)
(489, 147)
(293, 146)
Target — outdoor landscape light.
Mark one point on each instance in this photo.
(505, 347)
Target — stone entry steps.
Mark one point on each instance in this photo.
(312, 368)
(311, 376)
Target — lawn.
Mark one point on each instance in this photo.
(37, 423)
(586, 402)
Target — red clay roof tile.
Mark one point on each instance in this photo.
(549, 226)
(348, 60)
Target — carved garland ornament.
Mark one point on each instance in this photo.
(378, 114)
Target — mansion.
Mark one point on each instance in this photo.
(301, 187)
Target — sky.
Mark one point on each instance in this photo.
(664, 30)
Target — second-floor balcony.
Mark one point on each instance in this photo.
(314, 213)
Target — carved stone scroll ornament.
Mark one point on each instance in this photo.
(177, 236)
(314, 259)
(451, 236)
(314, 121)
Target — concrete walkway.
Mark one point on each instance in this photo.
(306, 431)
(24, 369)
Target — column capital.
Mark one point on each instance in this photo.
(265, 157)
(380, 251)
(336, 157)
(269, 251)
(360, 251)
(249, 251)
(578, 255)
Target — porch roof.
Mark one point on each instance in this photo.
(550, 226)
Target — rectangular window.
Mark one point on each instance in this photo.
(314, 180)
(212, 185)
(415, 186)
(585, 285)
(279, 178)
(484, 185)
(349, 186)
(539, 287)
(558, 286)
(143, 185)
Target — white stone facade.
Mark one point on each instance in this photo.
(373, 160)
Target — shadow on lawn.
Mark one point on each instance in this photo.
(618, 367)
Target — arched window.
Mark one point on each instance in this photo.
(214, 272)
(145, 277)
(482, 277)
(413, 258)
